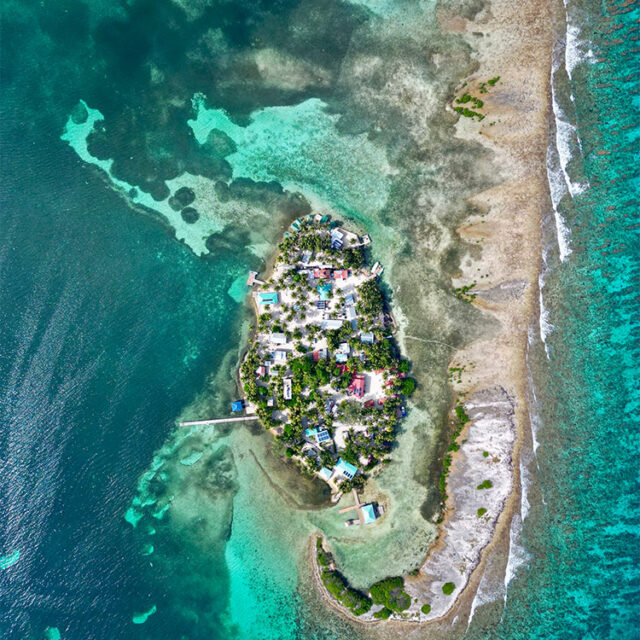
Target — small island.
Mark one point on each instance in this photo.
(322, 370)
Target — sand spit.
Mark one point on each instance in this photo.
(486, 455)
(513, 42)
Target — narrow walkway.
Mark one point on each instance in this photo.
(357, 506)
(218, 421)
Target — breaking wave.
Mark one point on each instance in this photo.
(567, 54)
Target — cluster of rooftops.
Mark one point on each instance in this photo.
(331, 289)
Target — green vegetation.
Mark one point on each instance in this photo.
(426, 608)
(390, 592)
(486, 484)
(448, 588)
(353, 258)
(469, 113)
(466, 97)
(481, 512)
(491, 82)
(463, 293)
(323, 557)
(404, 366)
(462, 418)
(370, 300)
(455, 373)
(408, 386)
(383, 614)
(350, 598)
(485, 454)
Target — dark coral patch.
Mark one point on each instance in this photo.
(190, 215)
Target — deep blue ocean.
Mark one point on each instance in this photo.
(111, 326)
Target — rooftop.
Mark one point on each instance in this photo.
(369, 513)
(345, 469)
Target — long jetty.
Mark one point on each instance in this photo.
(218, 421)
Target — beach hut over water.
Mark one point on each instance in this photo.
(369, 513)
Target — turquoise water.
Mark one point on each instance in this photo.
(119, 317)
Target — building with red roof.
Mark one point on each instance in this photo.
(357, 385)
(321, 273)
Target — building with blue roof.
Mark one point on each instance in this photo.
(346, 469)
(329, 325)
(367, 337)
(319, 435)
(369, 513)
(325, 473)
(237, 406)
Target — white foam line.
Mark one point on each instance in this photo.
(518, 557)
(545, 323)
(558, 189)
(576, 49)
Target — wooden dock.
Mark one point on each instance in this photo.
(218, 421)
(356, 507)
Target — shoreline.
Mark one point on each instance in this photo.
(507, 225)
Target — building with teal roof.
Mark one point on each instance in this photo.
(345, 469)
(369, 513)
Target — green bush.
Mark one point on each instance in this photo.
(324, 558)
(481, 512)
(485, 454)
(461, 414)
(426, 608)
(383, 614)
(448, 588)
(408, 386)
(333, 582)
(337, 586)
(356, 602)
(390, 592)
(486, 484)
